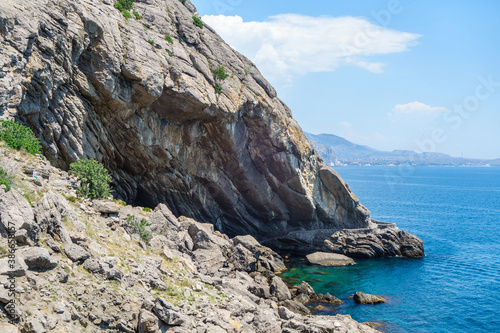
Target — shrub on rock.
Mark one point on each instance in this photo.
(94, 178)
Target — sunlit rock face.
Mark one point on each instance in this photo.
(92, 83)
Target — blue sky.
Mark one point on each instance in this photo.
(418, 75)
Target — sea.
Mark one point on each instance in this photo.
(456, 286)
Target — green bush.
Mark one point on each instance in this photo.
(5, 179)
(139, 227)
(220, 73)
(170, 53)
(137, 16)
(169, 39)
(197, 22)
(17, 136)
(146, 209)
(127, 14)
(94, 178)
(124, 4)
(152, 42)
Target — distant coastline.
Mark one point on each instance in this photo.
(337, 151)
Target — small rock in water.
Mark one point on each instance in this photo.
(362, 298)
(329, 259)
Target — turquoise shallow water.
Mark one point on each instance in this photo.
(456, 287)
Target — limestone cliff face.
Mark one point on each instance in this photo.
(92, 83)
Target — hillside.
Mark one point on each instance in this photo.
(334, 148)
(80, 266)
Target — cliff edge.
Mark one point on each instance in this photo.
(140, 95)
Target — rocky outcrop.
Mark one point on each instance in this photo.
(111, 281)
(91, 83)
(383, 240)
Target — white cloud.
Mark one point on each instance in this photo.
(288, 45)
(417, 108)
(345, 124)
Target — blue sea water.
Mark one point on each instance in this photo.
(456, 287)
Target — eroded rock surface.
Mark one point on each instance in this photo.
(89, 83)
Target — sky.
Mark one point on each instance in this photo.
(396, 74)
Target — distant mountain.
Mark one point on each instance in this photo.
(336, 150)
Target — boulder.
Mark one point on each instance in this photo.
(243, 259)
(50, 212)
(327, 298)
(305, 288)
(38, 258)
(380, 239)
(163, 222)
(148, 322)
(75, 252)
(362, 298)
(296, 307)
(329, 259)
(16, 214)
(18, 269)
(106, 207)
(170, 314)
(279, 289)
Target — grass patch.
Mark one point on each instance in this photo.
(152, 42)
(137, 15)
(169, 39)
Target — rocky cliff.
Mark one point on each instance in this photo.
(140, 96)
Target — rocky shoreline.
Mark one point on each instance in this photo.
(78, 269)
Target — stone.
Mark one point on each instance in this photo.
(53, 245)
(5, 295)
(328, 298)
(378, 240)
(305, 288)
(296, 307)
(38, 258)
(51, 212)
(208, 261)
(34, 326)
(362, 298)
(106, 207)
(75, 252)
(279, 289)
(170, 314)
(18, 269)
(285, 314)
(148, 322)
(59, 307)
(301, 298)
(329, 259)
(92, 265)
(8, 328)
(16, 214)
